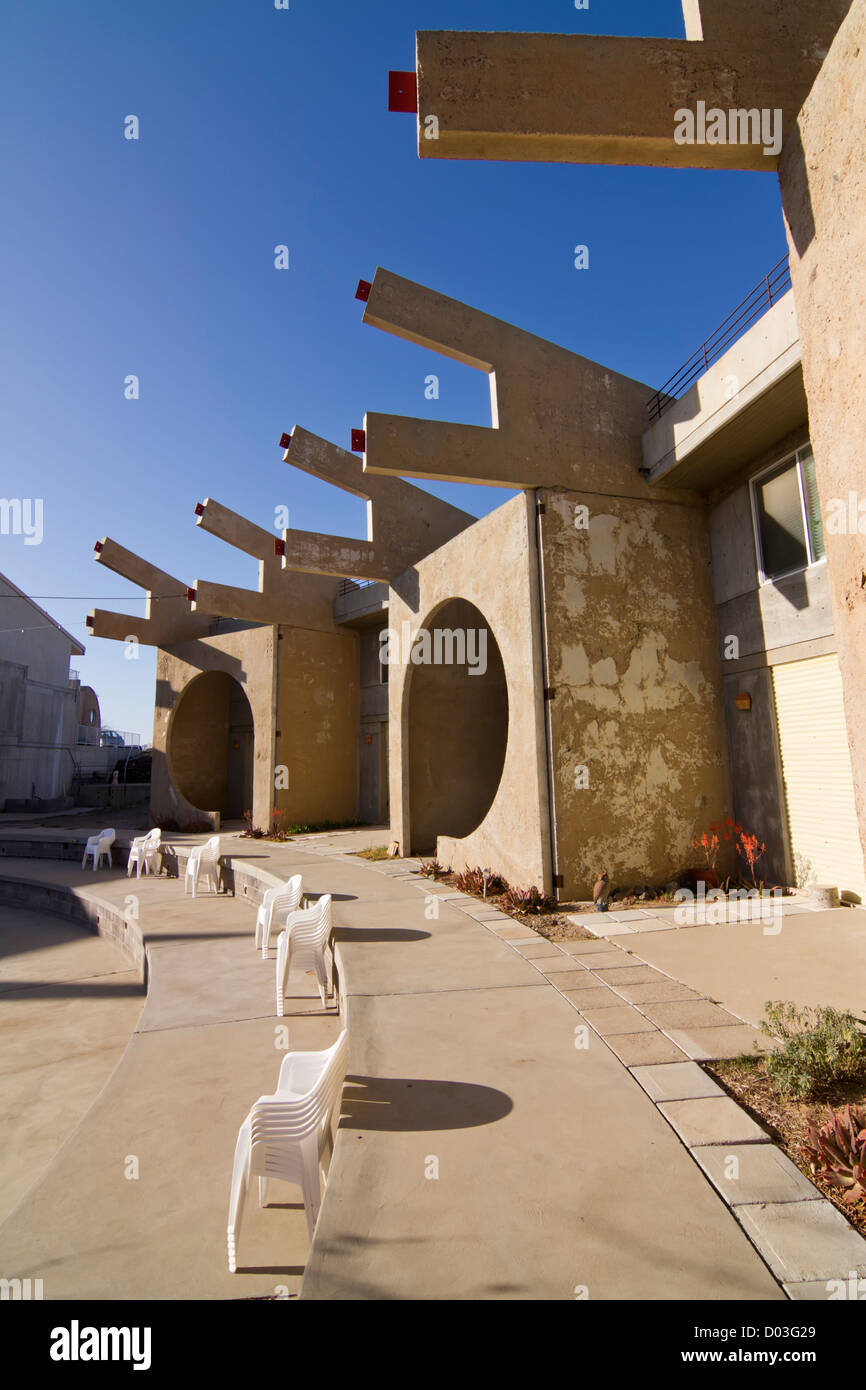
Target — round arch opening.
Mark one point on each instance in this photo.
(211, 745)
(457, 725)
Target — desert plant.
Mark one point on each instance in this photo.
(431, 868)
(473, 881)
(837, 1153)
(750, 848)
(253, 831)
(708, 841)
(529, 900)
(820, 1047)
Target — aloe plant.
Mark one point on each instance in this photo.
(837, 1153)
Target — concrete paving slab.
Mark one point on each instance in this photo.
(634, 974)
(640, 1049)
(817, 958)
(600, 960)
(710, 1044)
(617, 1019)
(538, 950)
(712, 1121)
(583, 947)
(665, 990)
(827, 1290)
(563, 964)
(804, 1241)
(597, 998)
(754, 1173)
(676, 1081)
(690, 1014)
(568, 980)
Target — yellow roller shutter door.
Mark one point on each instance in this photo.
(816, 766)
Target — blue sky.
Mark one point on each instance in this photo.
(156, 258)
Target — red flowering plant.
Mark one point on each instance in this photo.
(708, 841)
(750, 848)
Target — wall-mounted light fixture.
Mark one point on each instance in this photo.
(743, 700)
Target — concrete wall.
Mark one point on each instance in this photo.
(318, 717)
(823, 178)
(493, 567)
(633, 661)
(373, 733)
(248, 656)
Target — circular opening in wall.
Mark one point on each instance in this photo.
(211, 743)
(457, 724)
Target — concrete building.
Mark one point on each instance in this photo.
(38, 704)
(779, 87)
(661, 627)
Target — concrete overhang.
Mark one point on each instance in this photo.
(364, 605)
(748, 399)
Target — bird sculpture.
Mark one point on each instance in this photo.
(600, 891)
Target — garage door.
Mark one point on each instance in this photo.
(816, 767)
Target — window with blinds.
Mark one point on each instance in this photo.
(788, 527)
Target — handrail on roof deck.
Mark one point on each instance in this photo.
(774, 285)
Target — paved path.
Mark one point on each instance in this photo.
(481, 1153)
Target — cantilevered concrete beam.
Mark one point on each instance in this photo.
(302, 600)
(404, 523)
(587, 99)
(167, 617)
(559, 420)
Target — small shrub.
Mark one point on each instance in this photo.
(529, 900)
(472, 881)
(254, 832)
(820, 1047)
(837, 1153)
(431, 868)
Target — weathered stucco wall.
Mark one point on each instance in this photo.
(318, 724)
(823, 177)
(633, 660)
(493, 567)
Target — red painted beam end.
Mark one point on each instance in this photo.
(363, 291)
(403, 92)
(359, 441)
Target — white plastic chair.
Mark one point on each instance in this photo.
(144, 854)
(276, 905)
(286, 1135)
(96, 847)
(302, 947)
(203, 862)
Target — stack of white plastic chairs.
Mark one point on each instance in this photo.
(303, 946)
(275, 908)
(288, 1134)
(203, 863)
(144, 854)
(98, 846)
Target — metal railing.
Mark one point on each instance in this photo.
(348, 586)
(771, 289)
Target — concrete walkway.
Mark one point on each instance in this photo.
(481, 1154)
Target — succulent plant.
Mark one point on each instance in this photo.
(529, 900)
(837, 1153)
(473, 881)
(431, 868)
